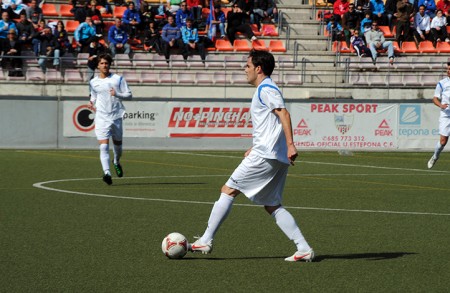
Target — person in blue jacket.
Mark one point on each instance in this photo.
(131, 20)
(378, 11)
(118, 38)
(182, 14)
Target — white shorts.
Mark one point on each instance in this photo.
(261, 180)
(104, 129)
(444, 125)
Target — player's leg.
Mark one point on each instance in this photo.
(117, 135)
(103, 132)
(219, 213)
(444, 131)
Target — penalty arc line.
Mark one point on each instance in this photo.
(41, 185)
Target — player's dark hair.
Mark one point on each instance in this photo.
(107, 57)
(263, 59)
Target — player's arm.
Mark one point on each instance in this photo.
(285, 119)
(438, 103)
(92, 97)
(123, 91)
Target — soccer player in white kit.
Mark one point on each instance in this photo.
(107, 92)
(262, 173)
(442, 100)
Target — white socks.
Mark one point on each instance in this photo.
(219, 212)
(438, 149)
(288, 225)
(117, 153)
(104, 157)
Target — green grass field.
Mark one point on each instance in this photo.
(379, 222)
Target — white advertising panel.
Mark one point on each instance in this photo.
(358, 126)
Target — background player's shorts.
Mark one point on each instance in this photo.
(105, 129)
(261, 180)
(444, 125)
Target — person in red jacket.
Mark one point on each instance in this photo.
(340, 7)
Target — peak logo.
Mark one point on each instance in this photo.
(383, 129)
(410, 115)
(211, 117)
(302, 128)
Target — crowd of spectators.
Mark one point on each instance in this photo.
(358, 23)
(179, 26)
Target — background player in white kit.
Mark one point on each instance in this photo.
(262, 173)
(107, 91)
(442, 100)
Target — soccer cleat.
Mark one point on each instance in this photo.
(307, 256)
(431, 162)
(204, 248)
(107, 179)
(118, 169)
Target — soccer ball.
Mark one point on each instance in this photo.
(175, 245)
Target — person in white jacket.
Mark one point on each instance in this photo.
(439, 28)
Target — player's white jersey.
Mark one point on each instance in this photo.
(109, 107)
(269, 140)
(443, 93)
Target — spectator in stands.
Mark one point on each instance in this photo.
(366, 23)
(443, 5)
(118, 38)
(340, 7)
(246, 6)
(171, 37)
(263, 9)
(391, 12)
(152, 38)
(48, 49)
(62, 38)
(131, 20)
(439, 28)
(375, 40)
(215, 22)
(422, 25)
(96, 16)
(237, 23)
(359, 45)
(25, 29)
(182, 14)
(172, 7)
(95, 49)
(13, 7)
(34, 13)
(35, 42)
(335, 30)
(195, 7)
(361, 7)
(350, 22)
(79, 9)
(378, 11)
(11, 47)
(430, 7)
(5, 25)
(98, 24)
(191, 41)
(405, 11)
(84, 34)
(147, 14)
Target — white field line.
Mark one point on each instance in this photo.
(41, 185)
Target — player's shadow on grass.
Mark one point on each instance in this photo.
(366, 256)
(160, 183)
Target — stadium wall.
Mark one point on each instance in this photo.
(201, 124)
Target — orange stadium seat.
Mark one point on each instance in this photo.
(269, 30)
(443, 47)
(427, 47)
(64, 10)
(409, 47)
(386, 31)
(241, 46)
(223, 45)
(259, 45)
(119, 10)
(71, 25)
(277, 46)
(104, 12)
(255, 30)
(49, 10)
